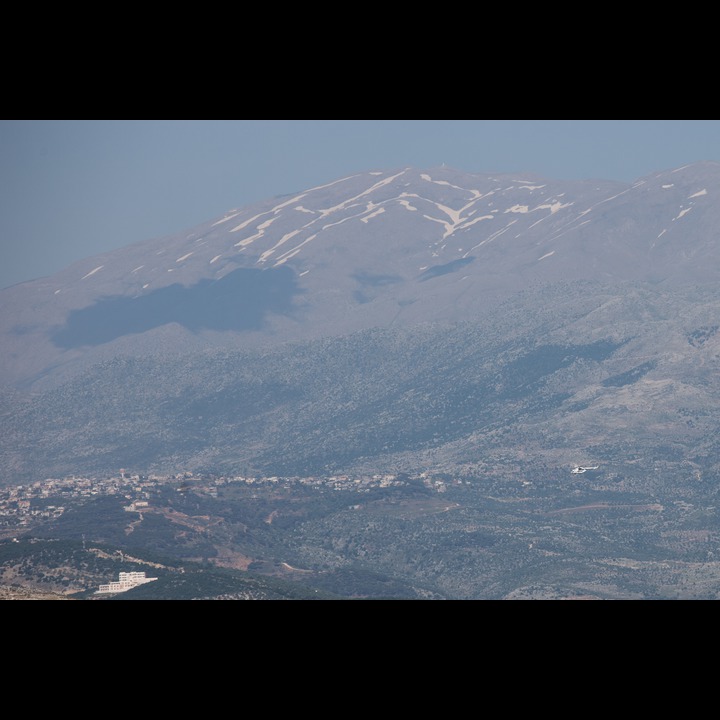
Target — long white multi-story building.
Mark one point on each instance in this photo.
(126, 581)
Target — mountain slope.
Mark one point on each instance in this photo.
(404, 318)
(377, 249)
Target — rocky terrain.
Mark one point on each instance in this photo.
(494, 330)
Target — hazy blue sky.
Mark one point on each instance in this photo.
(70, 189)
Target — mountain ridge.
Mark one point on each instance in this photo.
(313, 332)
(374, 249)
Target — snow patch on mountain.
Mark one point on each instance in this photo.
(345, 203)
(406, 204)
(491, 237)
(92, 272)
(476, 220)
(278, 244)
(225, 219)
(427, 178)
(244, 224)
(349, 217)
(261, 228)
(379, 211)
(291, 253)
(273, 210)
(554, 207)
(442, 222)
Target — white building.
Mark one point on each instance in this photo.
(126, 581)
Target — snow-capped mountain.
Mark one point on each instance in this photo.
(375, 249)
(403, 318)
(472, 340)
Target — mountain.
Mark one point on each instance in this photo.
(379, 387)
(404, 318)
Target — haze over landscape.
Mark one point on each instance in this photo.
(416, 381)
(75, 188)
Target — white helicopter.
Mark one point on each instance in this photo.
(578, 469)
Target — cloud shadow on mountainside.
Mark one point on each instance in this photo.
(241, 300)
(453, 266)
